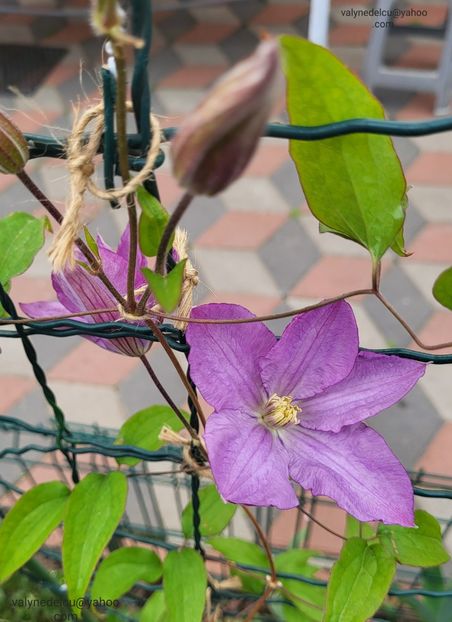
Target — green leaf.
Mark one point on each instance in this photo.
(359, 581)
(242, 552)
(442, 288)
(21, 237)
(29, 523)
(167, 289)
(143, 428)
(91, 242)
(184, 584)
(119, 572)
(94, 511)
(153, 220)
(154, 609)
(215, 513)
(355, 529)
(296, 562)
(353, 184)
(6, 287)
(416, 547)
(398, 246)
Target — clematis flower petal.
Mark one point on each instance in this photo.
(224, 357)
(356, 468)
(376, 382)
(44, 308)
(78, 290)
(317, 349)
(51, 308)
(249, 463)
(115, 263)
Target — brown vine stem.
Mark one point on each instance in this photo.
(259, 603)
(314, 520)
(160, 262)
(167, 397)
(161, 338)
(258, 318)
(376, 275)
(56, 215)
(123, 159)
(408, 328)
(264, 540)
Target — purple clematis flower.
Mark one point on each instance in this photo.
(293, 409)
(78, 290)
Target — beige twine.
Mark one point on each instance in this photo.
(80, 159)
(191, 278)
(167, 435)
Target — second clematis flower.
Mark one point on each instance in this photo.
(78, 290)
(292, 409)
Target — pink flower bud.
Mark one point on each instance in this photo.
(13, 147)
(215, 143)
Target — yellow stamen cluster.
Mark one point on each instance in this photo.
(280, 411)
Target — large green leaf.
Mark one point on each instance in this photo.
(143, 428)
(184, 584)
(119, 572)
(215, 513)
(416, 547)
(246, 553)
(442, 288)
(93, 513)
(29, 523)
(353, 184)
(154, 609)
(359, 581)
(153, 220)
(296, 562)
(167, 289)
(21, 237)
(355, 529)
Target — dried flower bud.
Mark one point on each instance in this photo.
(13, 147)
(106, 16)
(215, 143)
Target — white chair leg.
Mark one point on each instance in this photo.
(319, 17)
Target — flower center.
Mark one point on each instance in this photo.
(279, 411)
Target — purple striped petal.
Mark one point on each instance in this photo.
(376, 382)
(115, 265)
(224, 357)
(78, 290)
(45, 308)
(356, 468)
(249, 463)
(317, 349)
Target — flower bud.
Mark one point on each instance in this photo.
(215, 143)
(106, 16)
(13, 147)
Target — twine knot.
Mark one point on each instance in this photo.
(191, 278)
(80, 158)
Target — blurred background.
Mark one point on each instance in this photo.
(256, 244)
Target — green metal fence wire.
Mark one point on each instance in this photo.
(76, 443)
